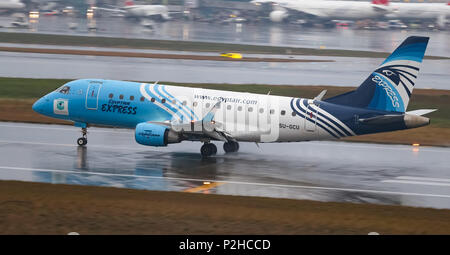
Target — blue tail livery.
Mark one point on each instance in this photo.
(389, 87)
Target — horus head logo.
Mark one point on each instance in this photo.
(60, 105)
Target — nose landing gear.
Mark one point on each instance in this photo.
(82, 140)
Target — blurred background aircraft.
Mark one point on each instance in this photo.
(11, 5)
(362, 14)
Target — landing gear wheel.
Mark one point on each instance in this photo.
(213, 148)
(230, 147)
(82, 141)
(236, 146)
(208, 149)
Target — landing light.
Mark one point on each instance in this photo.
(34, 15)
(416, 144)
(206, 183)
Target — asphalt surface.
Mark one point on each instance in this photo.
(264, 33)
(323, 171)
(344, 72)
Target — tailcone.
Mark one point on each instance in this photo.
(414, 121)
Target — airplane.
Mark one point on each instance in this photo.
(437, 12)
(11, 5)
(130, 10)
(328, 10)
(163, 114)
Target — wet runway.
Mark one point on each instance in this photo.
(264, 33)
(343, 72)
(323, 171)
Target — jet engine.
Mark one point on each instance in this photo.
(278, 15)
(155, 135)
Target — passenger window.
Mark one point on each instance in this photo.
(261, 110)
(207, 105)
(239, 108)
(272, 111)
(194, 104)
(293, 113)
(184, 103)
(152, 100)
(283, 112)
(111, 95)
(131, 98)
(250, 109)
(228, 107)
(142, 99)
(121, 97)
(163, 101)
(174, 101)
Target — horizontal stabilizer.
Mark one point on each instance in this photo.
(421, 112)
(321, 95)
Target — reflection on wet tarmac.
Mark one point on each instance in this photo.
(266, 34)
(324, 171)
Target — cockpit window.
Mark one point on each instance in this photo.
(64, 90)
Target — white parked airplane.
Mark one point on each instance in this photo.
(11, 5)
(437, 12)
(328, 10)
(130, 10)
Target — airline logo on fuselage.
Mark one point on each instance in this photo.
(61, 106)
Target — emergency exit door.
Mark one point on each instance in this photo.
(310, 118)
(92, 95)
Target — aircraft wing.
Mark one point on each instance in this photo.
(117, 10)
(309, 11)
(207, 127)
(381, 8)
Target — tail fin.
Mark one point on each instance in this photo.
(129, 3)
(390, 86)
(381, 2)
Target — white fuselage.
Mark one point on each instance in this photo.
(336, 9)
(419, 10)
(147, 11)
(251, 117)
(11, 4)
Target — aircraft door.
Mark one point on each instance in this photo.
(92, 94)
(310, 118)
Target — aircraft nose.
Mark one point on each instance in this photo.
(39, 105)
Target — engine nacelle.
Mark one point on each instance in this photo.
(155, 135)
(278, 15)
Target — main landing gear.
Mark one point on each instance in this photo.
(208, 149)
(82, 140)
(230, 147)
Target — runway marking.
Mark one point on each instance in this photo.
(230, 182)
(423, 178)
(417, 180)
(95, 146)
(204, 187)
(402, 147)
